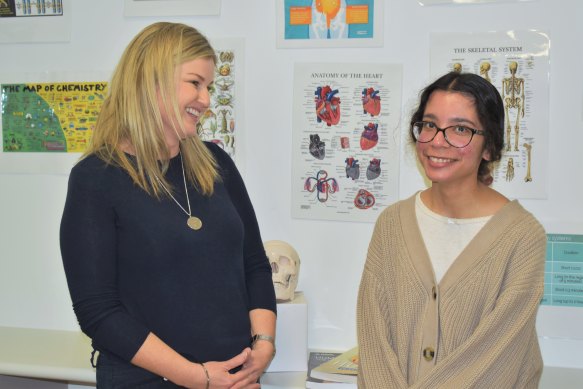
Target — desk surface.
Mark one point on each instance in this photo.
(46, 354)
(64, 356)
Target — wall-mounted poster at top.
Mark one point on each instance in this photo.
(26, 21)
(20, 8)
(329, 23)
(517, 64)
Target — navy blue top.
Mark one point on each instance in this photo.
(133, 266)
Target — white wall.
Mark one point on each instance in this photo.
(32, 284)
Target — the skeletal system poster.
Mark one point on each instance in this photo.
(517, 63)
(345, 140)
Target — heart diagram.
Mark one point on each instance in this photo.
(371, 101)
(370, 136)
(327, 105)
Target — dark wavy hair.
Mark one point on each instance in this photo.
(489, 107)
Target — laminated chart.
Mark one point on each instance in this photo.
(329, 19)
(19, 8)
(49, 117)
(564, 271)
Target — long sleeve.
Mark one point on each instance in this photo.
(257, 269)
(378, 363)
(390, 304)
(88, 248)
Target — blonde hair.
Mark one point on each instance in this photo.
(131, 115)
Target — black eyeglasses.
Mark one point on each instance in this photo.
(457, 136)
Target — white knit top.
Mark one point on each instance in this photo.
(445, 237)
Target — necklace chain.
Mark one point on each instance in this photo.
(189, 213)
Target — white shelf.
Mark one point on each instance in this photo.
(64, 356)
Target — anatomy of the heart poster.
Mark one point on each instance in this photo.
(345, 140)
(517, 64)
(329, 23)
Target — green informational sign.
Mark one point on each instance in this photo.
(564, 271)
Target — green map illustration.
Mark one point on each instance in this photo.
(49, 117)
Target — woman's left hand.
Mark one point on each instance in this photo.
(257, 362)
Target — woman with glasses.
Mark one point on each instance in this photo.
(454, 274)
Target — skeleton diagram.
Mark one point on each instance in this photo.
(457, 67)
(513, 96)
(510, 169)
(528, 148)
(484, 69)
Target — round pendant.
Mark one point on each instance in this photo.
(194, 223)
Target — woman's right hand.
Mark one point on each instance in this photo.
(218, 372)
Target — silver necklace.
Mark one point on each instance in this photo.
(193, 222)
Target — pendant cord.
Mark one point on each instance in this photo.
(189, 213)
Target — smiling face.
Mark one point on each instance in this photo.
(443, 163)
(194, 80)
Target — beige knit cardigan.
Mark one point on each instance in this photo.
(476, 329)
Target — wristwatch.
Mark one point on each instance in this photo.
(268, 338)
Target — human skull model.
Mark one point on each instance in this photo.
(285, 268)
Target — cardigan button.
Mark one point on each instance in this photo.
(434, 292)
(428, 354)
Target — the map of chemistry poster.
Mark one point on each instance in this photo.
(49, 117)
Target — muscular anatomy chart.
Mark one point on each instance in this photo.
(517, 64)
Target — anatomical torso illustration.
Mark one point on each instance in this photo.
(330, 10)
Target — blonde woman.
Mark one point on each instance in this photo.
(160, 244)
